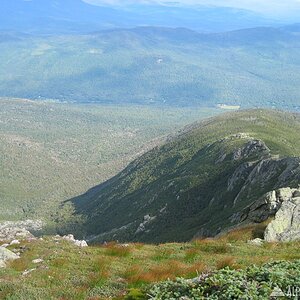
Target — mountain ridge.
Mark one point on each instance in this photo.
(172, 192)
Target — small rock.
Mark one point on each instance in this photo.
(26, 272)
(37, 261)
(5, 245)
(15, 242)
(256, 242)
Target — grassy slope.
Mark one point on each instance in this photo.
(51, 152)
(109, 271)
(146, 65)
(176, 182)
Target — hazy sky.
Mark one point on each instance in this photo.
(266, 7)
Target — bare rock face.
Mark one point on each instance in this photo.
(286, 225)
(284, 206)
(252, 147)
(267, 206)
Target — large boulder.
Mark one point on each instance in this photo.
(6, 255)
(267, 206)
(286, 225)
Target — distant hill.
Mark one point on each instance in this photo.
(57, 16)
(195, 183)
(257, 67)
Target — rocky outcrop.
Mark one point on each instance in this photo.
(70, 238)
(284, 206)
(286, 225)
(253, 147)
(19, 230)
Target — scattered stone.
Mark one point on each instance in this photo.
(37, 261)
(256, 242)
(147, 220)
(14, 242)
(70, 238)
(81, 243)
(5, 245)
(26, 272)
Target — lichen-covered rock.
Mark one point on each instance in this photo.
(6, 255)
(286, 225)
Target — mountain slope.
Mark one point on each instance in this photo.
(196, 183)
(50, 152)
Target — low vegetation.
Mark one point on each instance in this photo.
(226, 268)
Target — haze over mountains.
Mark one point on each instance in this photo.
(66, 16)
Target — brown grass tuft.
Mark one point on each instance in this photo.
(113, 249)
(228, 261)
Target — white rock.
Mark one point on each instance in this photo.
(70, 238)
(27, 272)
(80, 243)
(256, 242)
(37, 261)
(15, 242)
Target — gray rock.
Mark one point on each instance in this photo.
(286, 225)
(253, 147)
(37, 261)
(266, 206)
(19, 230)
(6, 255)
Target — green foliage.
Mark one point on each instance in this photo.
(69, 272)
(171, 192)
(252, 283)
(51, 152)
(135, 294)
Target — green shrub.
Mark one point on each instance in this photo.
(252, 283)
(135, 294)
